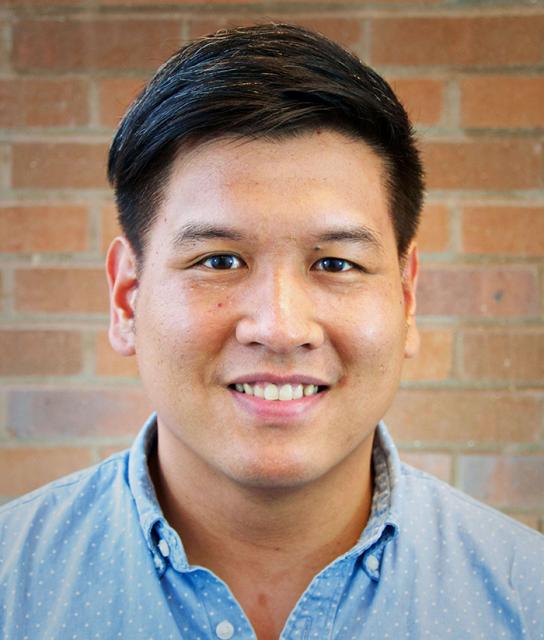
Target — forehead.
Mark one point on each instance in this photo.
(287, 186)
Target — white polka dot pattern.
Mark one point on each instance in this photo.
(91, 556)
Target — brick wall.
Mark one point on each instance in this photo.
(471, 75)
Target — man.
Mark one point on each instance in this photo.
(269, 191)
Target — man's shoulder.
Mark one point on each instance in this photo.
(74, 494)
(440, 508)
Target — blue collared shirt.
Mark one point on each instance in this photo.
(92, 556)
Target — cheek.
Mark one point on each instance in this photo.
(177, 327)
(372, 335)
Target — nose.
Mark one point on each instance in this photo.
(279, 314)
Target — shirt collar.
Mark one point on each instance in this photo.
(162, 540)
(382, 526)
(139, 478)
(383, 523)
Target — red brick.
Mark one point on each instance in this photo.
(75, 413)
(478, 291)
(34, 102)
(61, 290)
(434, 360)
(437, 464)
(110, 363)
(504, 481)
(491, 164)
(109, 226)
(507, 230)
(422, 98)
(42, 3)
(509, 354)
(484, 40)
(59, 165)
(59, 228)
(258, 17)
(439, 417)
(25, 469)
(5, 28)
(502, 101)
(116, 95)
(26, 353)
(433, 235)
(343, 30)
(76, 45)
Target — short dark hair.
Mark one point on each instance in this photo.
(265, 81)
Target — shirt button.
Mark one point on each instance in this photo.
(224, 630)
(164, 548)
(372, 563)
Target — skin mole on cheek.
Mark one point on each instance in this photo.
(219, 305)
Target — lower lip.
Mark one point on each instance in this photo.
(276, 409)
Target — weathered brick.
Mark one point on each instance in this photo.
(71, 413)
(45, 353)
(59, 165)
(71, 44)
(115, 96)
(42, 3)
(489, 164)
(437, 464)
(502, 292)
(434, 360)
(507, 230)
(58, 290)
(347, 31)
(505, 480)
(110, 363)
(452, 40)
(40, 102)
(25, 469)
(458, 417)
(59, 228)
(503, 354)
(422, 98)
(257, 17)
(502, 101)
(433, 235)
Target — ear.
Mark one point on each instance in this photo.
(123, 286)
(410, 272)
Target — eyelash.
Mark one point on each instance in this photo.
(351, 266)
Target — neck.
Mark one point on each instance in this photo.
(266, 545)
(333, 508)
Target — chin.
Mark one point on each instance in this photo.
(274, 474)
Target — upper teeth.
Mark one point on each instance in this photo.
(270, 391)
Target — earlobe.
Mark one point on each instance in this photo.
(121, 270)
(409, 285)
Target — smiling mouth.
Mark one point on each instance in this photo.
(279, 393)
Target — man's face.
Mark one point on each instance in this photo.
(271, 269)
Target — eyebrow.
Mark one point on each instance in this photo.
(196, 232)
(359, 235)
(193, 233)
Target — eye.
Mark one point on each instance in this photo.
(222, 261)
(334, 265)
